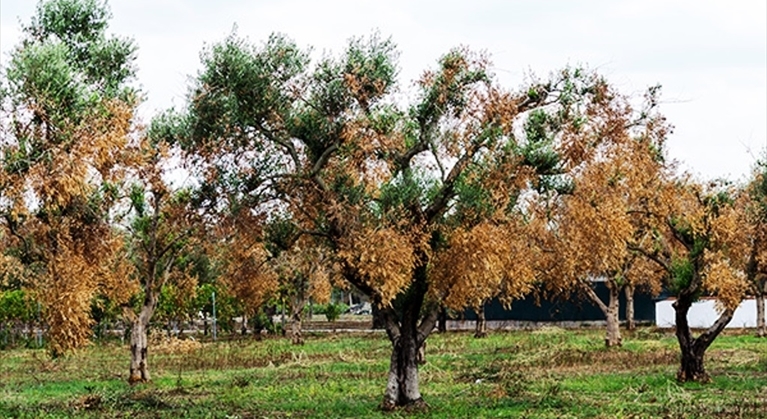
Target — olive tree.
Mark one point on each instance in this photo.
(399, 194)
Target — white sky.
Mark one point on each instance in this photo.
(710, 56)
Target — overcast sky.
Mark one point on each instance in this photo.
(710, 56)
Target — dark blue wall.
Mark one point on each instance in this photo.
(575, 309)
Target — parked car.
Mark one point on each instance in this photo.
(360, 309)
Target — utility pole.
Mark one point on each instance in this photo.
(213, 296)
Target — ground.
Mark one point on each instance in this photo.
(547, 373)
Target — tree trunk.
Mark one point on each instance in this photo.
(442, 320)
(407, 332)
(480, 329)
(402, 387)
(694, 350)
(139, 366)
(296, 335)
(379, 322)
(630, 323)
(613, 337)
(244, 325)
(610, 310)
(760, 327)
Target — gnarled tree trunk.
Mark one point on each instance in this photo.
(630, 323)
(407, 332)
(139, 364)
(610, 310)
(480, 328)
(692, 349)
(296, 309)
(402, 386)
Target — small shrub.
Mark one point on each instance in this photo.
(333, 311)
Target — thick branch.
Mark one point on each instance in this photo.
(594, 297)
(391, 324)
(427, 324)
(706, 338)
(403, 161)
(314, 233)
(287, 145)
(12, 228)
(320, 164)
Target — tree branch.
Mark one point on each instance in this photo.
(652, 256)
(586, 286)
(427, 323)
(320, 164)
(707, 337)
(446, 192)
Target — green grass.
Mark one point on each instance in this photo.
(549, 373)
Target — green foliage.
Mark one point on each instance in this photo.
(263, 321)
(168, 127)
(409, 187)
(42, 73)
(67, 64)
(447, 95)
(242, 85)
(332, 311)
(474, 201)
(682, 274)
(103, 309)
(372, 62)
(280, 234)
(719, 198)
(73, 21)
(16, 306)
(227, 306)
(138, 203)
(538, 151)
(175, 304)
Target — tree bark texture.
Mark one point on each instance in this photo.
(407, 330)
(610, 310)
(139, 364)
(296, 335)
(244, 325)
(693, 350)
(296, 310)
(630, 322)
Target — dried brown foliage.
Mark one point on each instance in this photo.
(383, 259)
(483, 262)
(58, 219)
(246, 269)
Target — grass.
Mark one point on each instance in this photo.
(548, 373)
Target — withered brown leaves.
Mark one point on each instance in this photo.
(383, 258)
(486, 261)
(58, 218)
